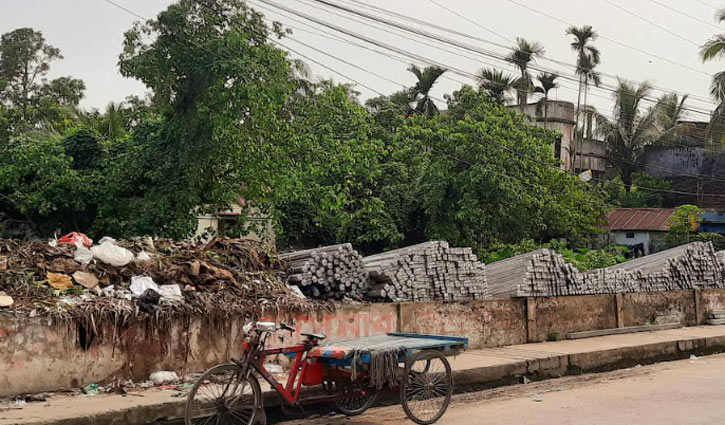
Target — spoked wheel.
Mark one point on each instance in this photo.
(427, 387)
(223, 396)
(356, 398)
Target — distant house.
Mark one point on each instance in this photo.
(639, 228)
(257, 226)
(713, 222)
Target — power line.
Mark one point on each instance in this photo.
(707, 4)
(470, 20)
(636, 49)
(514, 152)
(666, 6)
(654, 24)
(467, 47)
(419, 58)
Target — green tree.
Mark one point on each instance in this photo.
(219, 90)
(547, 82)
(631, 130)
(25, 59)
(670, 114)
(714, 48)
(496, 84)
(426, 79)
(522, 55)
(328, 189)
(491, 177)
(684, 225)
(65, 91)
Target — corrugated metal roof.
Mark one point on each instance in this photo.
(647, 219)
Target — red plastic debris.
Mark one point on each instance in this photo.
(72, 237)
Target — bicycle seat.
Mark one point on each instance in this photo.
(314, 336)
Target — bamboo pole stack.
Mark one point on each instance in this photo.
(327, 272)
(428, 271)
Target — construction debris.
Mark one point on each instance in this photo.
(427, 271)
(327, 272)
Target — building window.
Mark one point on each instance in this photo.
(630, 235)
(557, 148)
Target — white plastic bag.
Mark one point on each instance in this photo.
(110, 253)
(140, 284)
(83, 255)
(143, 256)
(163, 377)
(170, 292)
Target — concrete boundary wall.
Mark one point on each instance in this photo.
(36, 355)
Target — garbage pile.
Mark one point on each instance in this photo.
(71, 276)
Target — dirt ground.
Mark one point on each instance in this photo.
(687, 392)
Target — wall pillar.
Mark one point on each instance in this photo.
(618, 306)
(531, 334)
(699, 313)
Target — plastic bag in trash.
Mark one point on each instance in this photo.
(83, 255)
(164, 377)
(143, 256)
(74, 237)
(170, 292)
(140, 284)
(110, 253)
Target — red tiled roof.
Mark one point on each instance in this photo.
(648, 219)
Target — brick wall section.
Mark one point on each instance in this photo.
(562, 315)
(490, 323)
(659, 307)
(39, 356)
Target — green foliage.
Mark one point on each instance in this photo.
(583, 258)
(636, 197)
(492, 177)
(220, 101)
(683, 225)
(326, 190)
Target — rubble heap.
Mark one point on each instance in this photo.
(545, 273)
(327, 272)
(222, 277)
(427, 271)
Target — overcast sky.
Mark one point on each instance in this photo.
(89, 34)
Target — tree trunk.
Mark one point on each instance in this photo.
(575, 154)
(584, 129)
(625, 172)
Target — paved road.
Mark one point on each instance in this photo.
(688, 392)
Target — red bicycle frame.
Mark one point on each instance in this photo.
(291, 391)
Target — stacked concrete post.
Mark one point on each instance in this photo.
(428, 271)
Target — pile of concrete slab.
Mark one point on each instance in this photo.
(546, 273)
(428, 271)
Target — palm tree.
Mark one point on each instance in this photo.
(714, 48)
(670, 113)
(427, 78)
(588, 57)
(495, 84)
(547, 82)
(521, 55)
(631, 130)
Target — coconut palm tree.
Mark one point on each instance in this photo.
(670, 114)
(427, 78)
(495, 84)
(547, 82)
(588, 57)
(522, 55)
(631, 129)
(714, 48)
